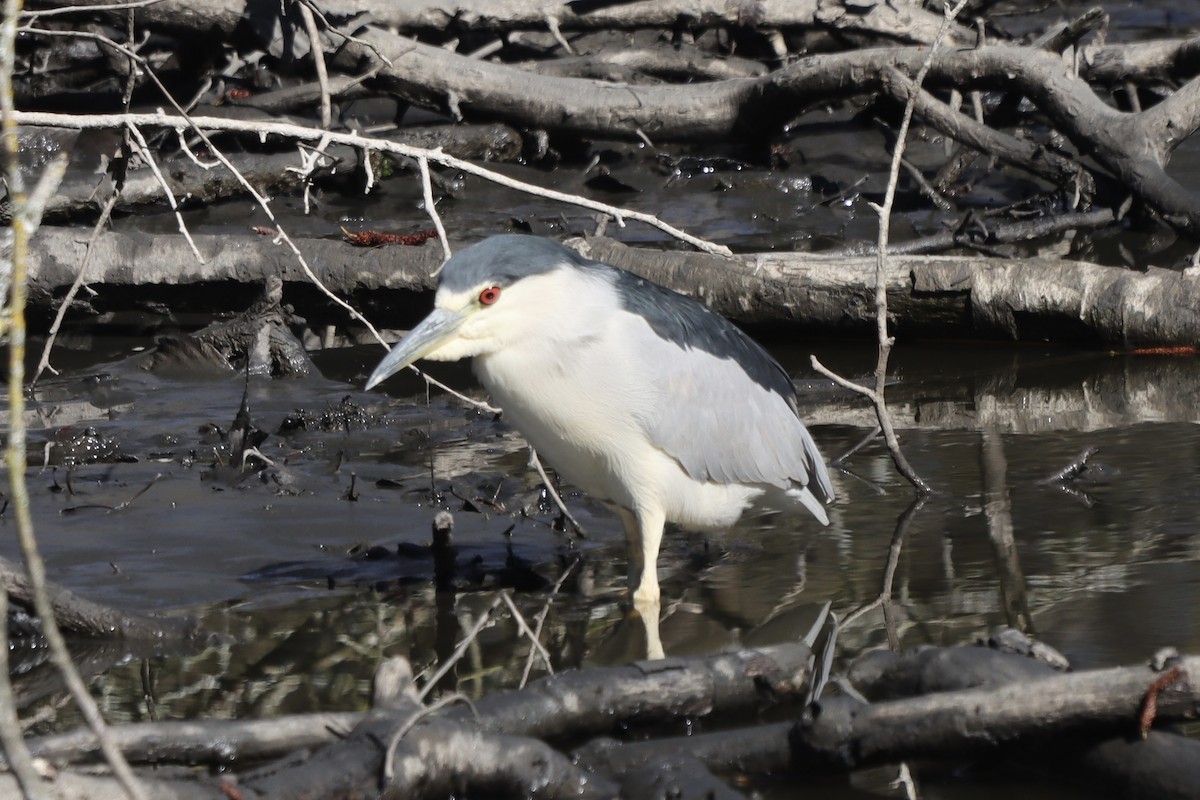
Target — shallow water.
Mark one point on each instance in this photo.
(1109, 564)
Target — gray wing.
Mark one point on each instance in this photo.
(727, 411)
(723, 427)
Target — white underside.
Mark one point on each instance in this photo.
(582, 398)
(596, 442)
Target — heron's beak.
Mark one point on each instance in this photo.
(433, 331)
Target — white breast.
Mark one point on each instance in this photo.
(570, 390)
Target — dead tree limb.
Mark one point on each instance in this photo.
(80, 617)
(897, 22)
(1092, 705)
(1033, 298)
(976, 296)
(503, 743)
(1133, 147)
(1161, 765)
(566, 705)
(1021, 153)
(217, 743)
(1023, 704)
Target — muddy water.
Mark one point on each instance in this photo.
(1108, 563)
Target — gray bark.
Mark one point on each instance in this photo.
(1028, 299)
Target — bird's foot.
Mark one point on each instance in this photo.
(647, 611)
(644, 588)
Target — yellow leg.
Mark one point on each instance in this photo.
(650, 524)
(648, 614)
(643, 536)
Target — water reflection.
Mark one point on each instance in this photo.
(1105, 581)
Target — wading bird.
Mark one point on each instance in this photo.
(638, 395)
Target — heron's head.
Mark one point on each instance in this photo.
(490, 295)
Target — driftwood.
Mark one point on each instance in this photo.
(1027, 299)
(214, 743)
(79, 617)
(1028, 712)
(136, 259)
(499, 743)
(1134, 147)
(1162, 764)
(1114, 155)
(84, 193)
(895, 22)
(900, 21)
(269, 173)
(985, 703)
(633, 66)
(258, 341)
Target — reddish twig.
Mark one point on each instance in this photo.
(1171, 350)
(1150, 703)
(372, 238)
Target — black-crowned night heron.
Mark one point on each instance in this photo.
(638, 395)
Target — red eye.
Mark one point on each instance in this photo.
(489, 295)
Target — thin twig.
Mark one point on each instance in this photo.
(317, 50)
(885, 220)
(19, 759)
(334, 30)
(389, 757)
(143, 149)
(310, 159)
(536, 463)
(124, 505)
(89, 9)
(885, 340)
(1071, 471)
(302, 133)
(459, 651)
(556, 32)
(540, 619)
(863, 442)
(105, 214)
(926, 187)
(431, 209)
(904, 779)
(889, 571)
(535, 645)
(15, 450)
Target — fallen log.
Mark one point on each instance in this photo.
(503, 742)
(1094, 705)
(1021, 708)
(419, 751)
(1030, 299)
(567, 705)
(215, 743)
(899, 21)
(79, 617)
(1034, 299)
(1105, 707)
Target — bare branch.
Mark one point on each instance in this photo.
(431, 209)
(305, 134)
(317, 51)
